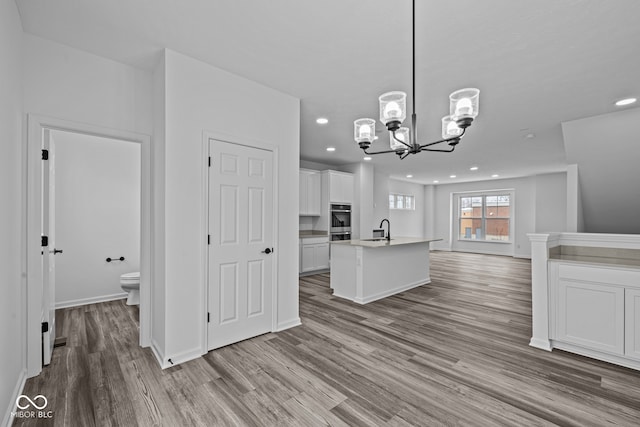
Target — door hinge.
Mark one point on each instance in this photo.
(209, 161)
(44, 241)
(208, 239)
(45, 154)
(45, 327)
(208, 317)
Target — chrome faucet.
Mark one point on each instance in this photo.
(388, 228)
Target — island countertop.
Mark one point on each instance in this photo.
(382, 243)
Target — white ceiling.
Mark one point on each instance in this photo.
(537, 64)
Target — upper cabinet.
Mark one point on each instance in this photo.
(310, 192)
(340, 187)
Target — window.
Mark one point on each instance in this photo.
(485, 217)
(401, 201)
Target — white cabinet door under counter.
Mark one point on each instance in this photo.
(314, 253)
(367, 270)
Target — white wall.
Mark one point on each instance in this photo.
(606, 149)
(158, 294)
(362, 209)
(551, 202)
(532, 195)
(97, 208)
(66, 83)
(12, 302)
(408, 223)
(380, 200)
(200, 98)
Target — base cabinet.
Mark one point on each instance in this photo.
(314, 255)
(596, 310)
(592, 315)
(632, 323)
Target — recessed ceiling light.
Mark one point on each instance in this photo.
(331, 148)
(452, 176)
(367, 158)
(409, 176)
(435, 181)
(530, 135)
(473, 168)
(322, 121)
(495, 175)
(375, 137)
(625, 101)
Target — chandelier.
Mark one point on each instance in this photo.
(463, 108)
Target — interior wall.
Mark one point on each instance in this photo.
(158, 296)
(606, 150)
(12, 302)
(551, 202)
(408, 223)
(66, 83)
(201, 98)
(531, 195)
(429, 211)
(97, 208)
(361, 210)
(380, 200)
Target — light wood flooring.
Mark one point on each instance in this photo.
(454, 352)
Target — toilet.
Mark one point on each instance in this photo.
(130, 283)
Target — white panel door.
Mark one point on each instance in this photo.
(48, 252)
(591, 315)
(632, 323)
(241, 243)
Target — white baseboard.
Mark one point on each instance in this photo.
(163, 360)
(288, 324)
(183, 357)
(390, 292)
(540, 343)
(595, 354)
(157, 352)
(92, 300)
(7, 420)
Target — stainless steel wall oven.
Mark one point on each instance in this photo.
(340, 218)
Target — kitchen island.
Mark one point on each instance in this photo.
(367, 270)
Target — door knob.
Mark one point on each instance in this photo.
(56, 251)
(267, 251)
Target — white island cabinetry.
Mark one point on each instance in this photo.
(364, 271)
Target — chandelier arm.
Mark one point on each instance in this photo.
(379, 152)
(441, 141)
(404, 155)
(393, 133)
(437, 150)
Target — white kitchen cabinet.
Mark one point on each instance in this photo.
(314, 254)
(632, 323)
(310, 192)
(592, 315)
(595, 310)
(340, 187)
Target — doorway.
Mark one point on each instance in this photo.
(40, 301)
